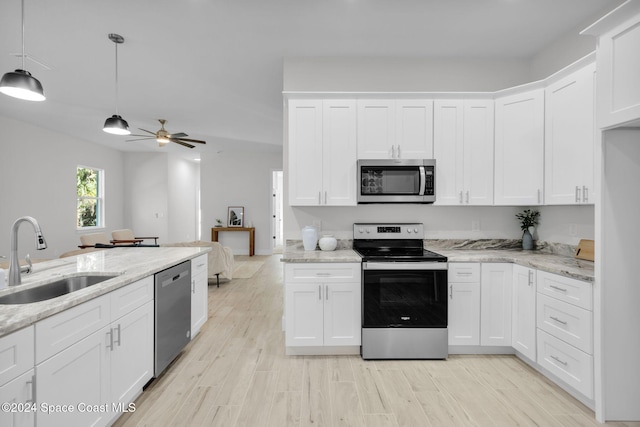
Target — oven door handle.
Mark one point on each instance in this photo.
(405, 265)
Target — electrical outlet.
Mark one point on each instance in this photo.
(475, 225)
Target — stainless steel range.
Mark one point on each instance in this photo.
(404, 293)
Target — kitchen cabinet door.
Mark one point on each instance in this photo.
(523, 316)
(20, 391)
(304, 314)
(414, 129)
(448, 131)
(199, 294)
(570, 139)
(376, 129)
(339, 156)
(496, 300)
(519, 148)
(131, 358)
(464, 313)
(342, 314)
(305, 152)
(80, 373)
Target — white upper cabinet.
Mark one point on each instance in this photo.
(322, 152)
(395, 129)
(463, 148)
(519, 148)
(570, 138)
(618, 65)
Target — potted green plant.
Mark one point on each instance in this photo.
(528, 220)
(218, 222)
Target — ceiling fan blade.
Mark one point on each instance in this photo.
(177, 141)
(178, 135)
(192, 140)
(144, 136)
(152, 133)
(140, 139)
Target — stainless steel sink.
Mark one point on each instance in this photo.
(54, 289)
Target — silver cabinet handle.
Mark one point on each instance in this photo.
(557, 288)
(460, 197)
(320, 292)
(451, 291)
(539, 196)
(323, 274)
(464, 273)
(585, 194)
(32, 382)
(577, 194)
(110, 345)
(119, 333)
(557, 359)
(398, 153)
(393, 151)
(557, 320)
(193, 286)
(326, 292)
(467, 196)
(530, 277)
(319, 197)
(325, 197)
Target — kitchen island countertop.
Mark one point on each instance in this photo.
(129, 264)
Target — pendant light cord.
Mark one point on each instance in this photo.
(116, 43)
(23, 34)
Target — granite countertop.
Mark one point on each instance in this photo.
(130, 265)
(486, 251)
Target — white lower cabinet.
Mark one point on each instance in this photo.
(322, 304)
(199, 294)
(523, 319)
(496, 284)
(464, 304)
(97, 374)
(16, 377)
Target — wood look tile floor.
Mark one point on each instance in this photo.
(235, 373)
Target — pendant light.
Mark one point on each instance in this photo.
(116, 124)
(20, 83)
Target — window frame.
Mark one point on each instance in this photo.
(100, 199)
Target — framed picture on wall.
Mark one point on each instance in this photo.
(236, 216)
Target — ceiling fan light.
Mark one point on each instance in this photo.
(116, 125)
(21, 84)
(162, 141)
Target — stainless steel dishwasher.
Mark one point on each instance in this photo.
(173, 314)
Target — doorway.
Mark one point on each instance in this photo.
(276, 210)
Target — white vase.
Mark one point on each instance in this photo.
(328, 243)
(309, 238)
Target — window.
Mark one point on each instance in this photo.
(90, 190)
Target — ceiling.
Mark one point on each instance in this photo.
(213, 68)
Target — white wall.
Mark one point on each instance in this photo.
(239, 179)
(402, 74)
(160, 196)
(38, 179)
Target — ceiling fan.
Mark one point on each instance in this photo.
(163, 137)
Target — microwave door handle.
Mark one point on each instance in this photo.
(423, 180)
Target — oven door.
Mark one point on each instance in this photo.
(404, 295)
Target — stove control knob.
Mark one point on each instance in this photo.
(415, 230)
(361, 230)
(409, 230)
(368, 230)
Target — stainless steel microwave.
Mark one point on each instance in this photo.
(397, 181)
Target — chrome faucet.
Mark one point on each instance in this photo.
(14, 264)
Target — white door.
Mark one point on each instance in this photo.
(304, 314)
(569, 139)
(132, 355)
(496, 301)
(414, 129)
(448, 139)
(519, 148)
(342, 319)
(376, 129)
(305, 152)
(339, 157)
(464, 313)
(81, 373)
(523, 316)
(478, 152)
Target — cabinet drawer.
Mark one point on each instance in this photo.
(16, 354)
(571, 365)
(325, 272)
(461, 272)
(199, 265)
(58, 332)
(566, 289)
(130, 297)
(571, 324)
